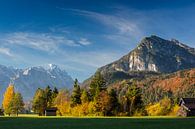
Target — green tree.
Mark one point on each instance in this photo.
(1, 112)
(114, 104)
(39, 103)
(48, 93)
(17, 104)
(133, 95)
(76, 94)
(85, 97)
(54, 95)
(97, 85)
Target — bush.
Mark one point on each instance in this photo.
(174, 110)
(164, 107)
(63, 109)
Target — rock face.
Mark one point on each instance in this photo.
(26, 81)
(155, 54)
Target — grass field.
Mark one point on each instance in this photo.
(96, 123)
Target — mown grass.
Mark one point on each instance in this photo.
(34, 122)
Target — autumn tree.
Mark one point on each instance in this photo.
(17, 104)
(44, 98)
(102, 104)
(39, 103)
(8, 96)
(76, 94)
(62, 102)
(97, 85)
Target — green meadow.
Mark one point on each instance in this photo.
(33, 122)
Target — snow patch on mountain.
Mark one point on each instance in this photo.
(27, 80)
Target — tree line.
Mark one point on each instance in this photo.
(125, 98)
(95, 100)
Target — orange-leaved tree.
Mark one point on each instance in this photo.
(8, 96)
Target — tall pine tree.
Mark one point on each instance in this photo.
(97, 85)
(54, 95)
(48, 93)
(114, 104)
(76, 94)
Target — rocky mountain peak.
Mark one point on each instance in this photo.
(52, 66)
(155, 54)
(152, 38)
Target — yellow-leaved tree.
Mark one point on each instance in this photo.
(8, 96)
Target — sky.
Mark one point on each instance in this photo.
(83, 35)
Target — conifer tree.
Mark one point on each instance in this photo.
(114, 104)
(55, 92)
(76, 94)
(54, 95)
(48, 93)
(97, 85)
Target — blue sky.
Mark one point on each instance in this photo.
(81, 36)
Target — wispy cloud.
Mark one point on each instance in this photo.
(84, 41)
(123, 25)
(42, 41)
(6, 51)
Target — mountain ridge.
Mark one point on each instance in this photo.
(140, 58)
(152, 56)
(27, 80)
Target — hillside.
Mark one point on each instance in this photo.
(181, 83)
(175, 85)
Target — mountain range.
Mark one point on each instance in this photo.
(152, 56)
(27, 80)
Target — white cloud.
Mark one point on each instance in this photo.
(122, 24)
(6, 51)
(84, 41)
(39, 41)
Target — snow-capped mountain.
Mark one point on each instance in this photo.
(26, 81)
